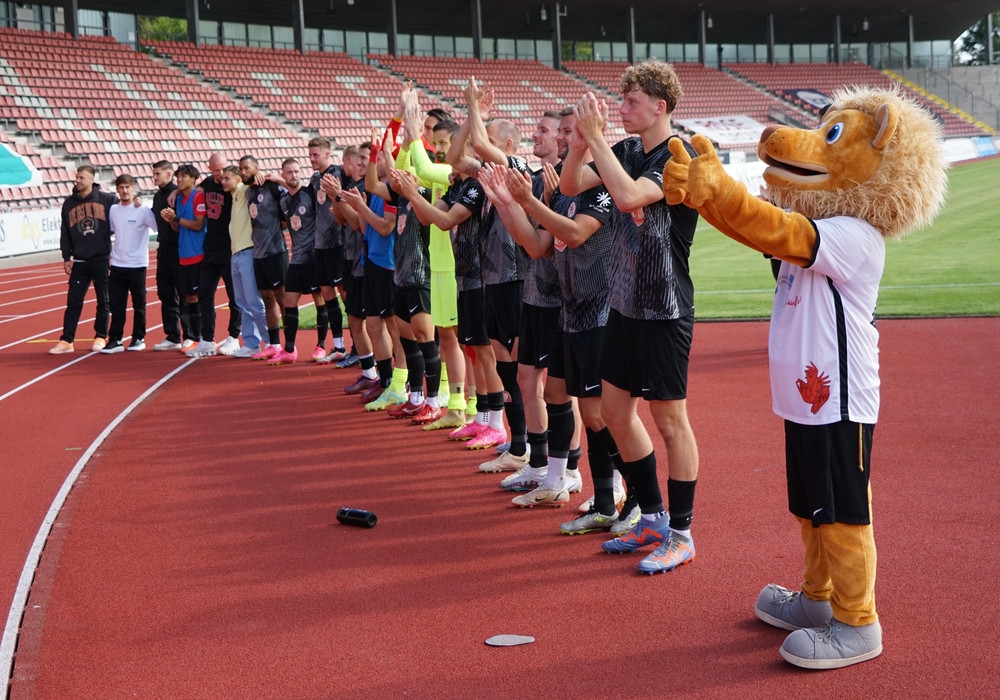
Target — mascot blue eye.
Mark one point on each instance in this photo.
(835, 132)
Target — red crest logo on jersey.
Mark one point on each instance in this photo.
(638, 216)
(815, 388)
(559, 245)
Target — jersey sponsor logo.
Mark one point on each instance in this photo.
(253, 210)
(571, 212)
(559, 244)
(604, 201)
(295, 222)
(815, 388)
(401, 224)
(321, 197)
(638, 216)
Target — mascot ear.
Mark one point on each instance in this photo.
(887, 117)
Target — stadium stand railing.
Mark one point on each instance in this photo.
(829, 77)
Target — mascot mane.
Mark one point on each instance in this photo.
(907, 189)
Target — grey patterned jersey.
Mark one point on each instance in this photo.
(583, 271)
(298, 211)
(329, 234)
(503, 260)
(413, 260)
(353, 240)
(650, 279)
(265, 219)
(465, 237)
(541, 281)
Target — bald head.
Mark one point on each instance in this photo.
(216, 164)
(504, 135)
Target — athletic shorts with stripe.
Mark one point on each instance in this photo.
(539, 325)
(648, 359)
(444, 299)
(576, 358)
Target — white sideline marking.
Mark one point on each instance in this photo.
(11, 630)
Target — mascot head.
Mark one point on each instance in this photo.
(875, 156)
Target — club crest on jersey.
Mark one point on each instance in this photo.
(401, 224)
(815, 388)
(253, 210)
(321, 197)
(296, 222)
(559, 245)
(638, 216)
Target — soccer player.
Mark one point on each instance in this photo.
(378, 218)
(298, 211)
(270, 254)
(85, 241)
(435, 176)
(254, 318)
(647, 340)
(539, 320)
(187, 216)
(131, 227)
(352, 177)
(217, 262)
(329, 251)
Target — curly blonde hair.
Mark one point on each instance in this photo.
(908, 188)
(655, 78)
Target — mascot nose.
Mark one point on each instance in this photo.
(768, 131)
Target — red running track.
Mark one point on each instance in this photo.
(199, 555)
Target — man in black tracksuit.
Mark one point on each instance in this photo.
(216, 264)
(85, 242)
(172, 304)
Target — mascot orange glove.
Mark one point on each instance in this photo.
(723, 202)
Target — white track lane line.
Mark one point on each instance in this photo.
(11, 630)
(40, 377)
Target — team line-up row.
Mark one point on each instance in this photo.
(472, 287)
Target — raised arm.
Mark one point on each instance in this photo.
(478, 100)
(629, 194)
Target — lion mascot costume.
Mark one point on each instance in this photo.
(873, 169)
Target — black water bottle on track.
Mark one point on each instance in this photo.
(356, 517)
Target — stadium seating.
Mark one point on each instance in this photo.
(828, 77)
(96, 101)
(329, 93)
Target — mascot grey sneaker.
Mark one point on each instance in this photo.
(791, 610)
(833, 645)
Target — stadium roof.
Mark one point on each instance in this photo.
(733, 21)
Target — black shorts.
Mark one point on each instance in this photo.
(270, 271)
(503, 312)
(189, 279)
(648, 359)
(579, 357)
(330, 266)
(410, 301)
(827, 469)
(354, 289)
(538, 331)
(301, 278)
(472, 318)
(379, 290)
